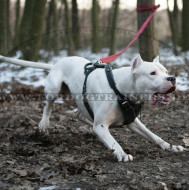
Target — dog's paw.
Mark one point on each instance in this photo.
(174, 148)
(123, 157)
(43, 126)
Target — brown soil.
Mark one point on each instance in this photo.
(71, 156)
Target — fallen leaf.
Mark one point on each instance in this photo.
(186, 141)
(22, 173)
(9, 176)
(32, 122)
(10, 162)
(45, 167)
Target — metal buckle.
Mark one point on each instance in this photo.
(126, 105)
(99, 64)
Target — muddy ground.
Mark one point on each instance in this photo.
(71, 156)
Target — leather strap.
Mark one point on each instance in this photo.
(112, 83)
(129, 109)
(89, 67)
(87, 70)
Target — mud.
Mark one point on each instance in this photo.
(70, 156)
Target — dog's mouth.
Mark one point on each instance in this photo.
(162, 98)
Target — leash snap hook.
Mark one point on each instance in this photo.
(99, 62)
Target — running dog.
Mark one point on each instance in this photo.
(140, 78)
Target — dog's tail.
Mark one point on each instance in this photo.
(23, 63)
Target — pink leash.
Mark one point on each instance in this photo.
(140, 8)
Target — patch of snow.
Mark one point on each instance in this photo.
(59, 101)
(18, 55)
(170, 59)
(55, 59)
(48, 188)
(72, 111)
(182, 81)
(25, 76)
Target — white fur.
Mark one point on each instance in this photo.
(130, 80)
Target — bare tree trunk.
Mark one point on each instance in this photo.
(47, 37)
(114, 25)
(35, 31)
(25, 26)
(61, 25)
(67, 29)
(75, 24)
(177, 17)
(9, 36)
(107, 33)
(16, 27)
(3, 28)
(95, 27)
(52, 34)
(55, 34)
(174, 25)
(185, 26)
(148, 44)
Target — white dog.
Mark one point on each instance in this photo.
(141, 78)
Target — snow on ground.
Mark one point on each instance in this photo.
(183, 81)
(36, 77)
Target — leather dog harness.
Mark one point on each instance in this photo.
(130, 109)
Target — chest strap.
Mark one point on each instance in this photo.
(130, 109)
(89, 67)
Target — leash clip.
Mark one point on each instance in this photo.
(99, 62)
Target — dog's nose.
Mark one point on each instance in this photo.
(171, 79)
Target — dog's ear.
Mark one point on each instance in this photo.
(156, 59)
(138, 60)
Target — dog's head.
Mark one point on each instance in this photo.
(152, 78)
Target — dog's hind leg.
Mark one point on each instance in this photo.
(52, 89)
(81, 117)
(44, 123)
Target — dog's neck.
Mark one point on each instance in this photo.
(125, 82)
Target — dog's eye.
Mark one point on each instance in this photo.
(153, 73)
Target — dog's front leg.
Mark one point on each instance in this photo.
(139, 128)
(104, 135)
